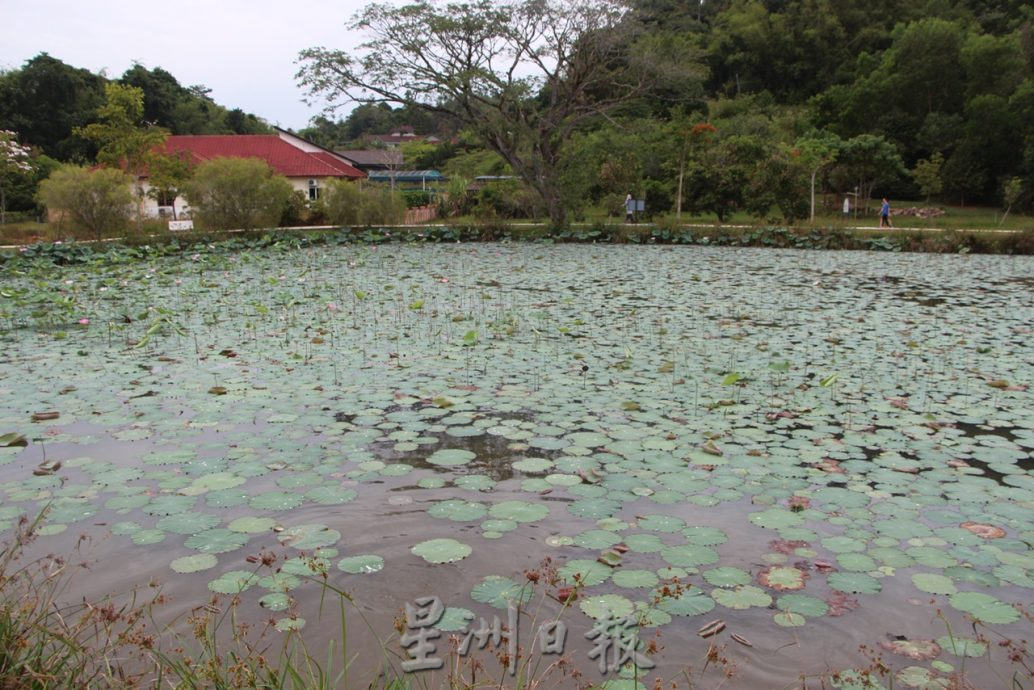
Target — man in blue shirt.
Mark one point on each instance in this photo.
(885, 214)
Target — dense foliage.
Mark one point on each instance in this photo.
(50, 105)
(237, 194)
(929, 101)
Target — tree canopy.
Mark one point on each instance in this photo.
(522, 75)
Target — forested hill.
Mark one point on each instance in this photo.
(948, 78)
(45, 99)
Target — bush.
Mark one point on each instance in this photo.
(237, 194)
(98, 201)
(348, 204)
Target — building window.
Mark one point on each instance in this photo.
(314, 190)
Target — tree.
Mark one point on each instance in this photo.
(523, 75)
(237, 193)
(816, 152)
(927, 175)
(167, 174)
(869, 160)
(124, 140)
(348, 204)
(45, 101)
(14, 164)
(1012, 190)
(99, 201)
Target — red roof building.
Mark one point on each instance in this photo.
(306, 165)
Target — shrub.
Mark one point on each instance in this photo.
(238, 194)
(98, 201)
(348, 204)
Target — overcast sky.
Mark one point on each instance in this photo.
(243, 50)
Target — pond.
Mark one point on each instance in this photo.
(829, 452)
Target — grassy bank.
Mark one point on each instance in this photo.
(149, 245)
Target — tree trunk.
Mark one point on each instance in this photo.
(813, 174)
(678, 197)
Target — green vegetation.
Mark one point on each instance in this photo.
(99, 201)
(237, 193)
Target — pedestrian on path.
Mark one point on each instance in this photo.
(847, 207)
(885, 214)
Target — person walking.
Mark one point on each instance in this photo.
(885, 214)
(847, 207)
(629, 209)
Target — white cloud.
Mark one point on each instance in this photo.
(243, 50)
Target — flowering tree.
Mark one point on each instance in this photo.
(14, 162)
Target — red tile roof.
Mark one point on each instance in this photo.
(283, 157)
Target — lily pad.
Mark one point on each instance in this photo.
(441, 550)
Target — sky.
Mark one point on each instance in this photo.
(243, 50)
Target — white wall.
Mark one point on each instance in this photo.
(150, 206)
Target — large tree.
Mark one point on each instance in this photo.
(523, 75)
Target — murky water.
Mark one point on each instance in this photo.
(828, 418)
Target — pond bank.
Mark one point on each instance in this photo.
(924, 240)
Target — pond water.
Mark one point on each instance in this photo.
(831, 452)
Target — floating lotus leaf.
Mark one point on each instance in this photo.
(290, 624)
(441, 550)
(532, 465)
(275, 601)
(593, 508)
(633, 579)
(661, 523)
(330, 495)
(124, 528)
(913, 649)
(308, 537)
(304, 566)
(922, 678)
(782, 578)
(857, 680)
(705, 536)
(644, 543)
(193, 564)
(451, 457)
(252, 525)
(776, 518)
(233, 582)
(692, 602)
(689, 555)
(499, 525)
(519, 511)
(601, 606)
(475, 482)
(597, 539)
(984, 607)
(458, 510)
(499, 592)
(218, 540)
(802, 604)
(361, 565)
(455, 619)
(962, 646)
(585, 572)
(187, 523)
(854, 583)
(169, 505)
(856, 562)
(276, 500)
(789, 619)
(148, 536)
(727, 576)
(933, 583)
(742, 597)
(428, 483)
